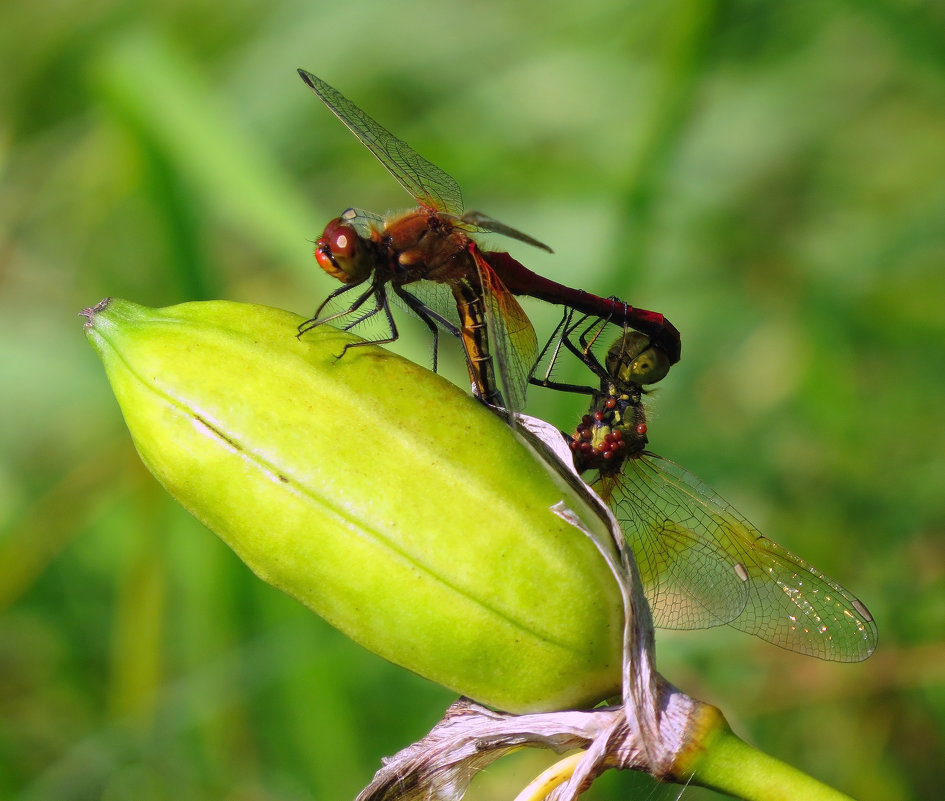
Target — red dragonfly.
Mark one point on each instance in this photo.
(433, 244)
(701, 563)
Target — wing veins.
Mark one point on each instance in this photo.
(427, 184)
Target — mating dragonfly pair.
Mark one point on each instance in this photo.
(702, 564)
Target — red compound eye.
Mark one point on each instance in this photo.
(343, 241)
(340, 252)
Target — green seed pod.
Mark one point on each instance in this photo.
(375, 492)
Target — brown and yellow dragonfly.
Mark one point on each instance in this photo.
(428, 258)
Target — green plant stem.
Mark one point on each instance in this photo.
(720, 760)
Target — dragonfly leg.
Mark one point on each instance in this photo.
(379, 293)
(431, 319)
(555, 351)
(317, 320)
(376, 291)
(587, 338)
(562, 335)
(381, 304)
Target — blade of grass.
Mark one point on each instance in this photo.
(142, 79)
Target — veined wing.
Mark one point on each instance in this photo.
(512, 338)
(428, 184)
(364, 222)
(483, 222)
(703, 565)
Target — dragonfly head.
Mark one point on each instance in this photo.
(343, 253)
(633, 360)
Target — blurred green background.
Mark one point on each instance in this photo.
(769, 175)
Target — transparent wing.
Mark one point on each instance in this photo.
(428, 184)
(704, 565)
(686, 554)
(364, 222)
(511, 335)
(478, 221)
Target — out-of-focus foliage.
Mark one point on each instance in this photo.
(769, 175)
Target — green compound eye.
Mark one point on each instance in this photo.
(649, 367)
(633, 360)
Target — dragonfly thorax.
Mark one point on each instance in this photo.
(613, 431)
(425, 244)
